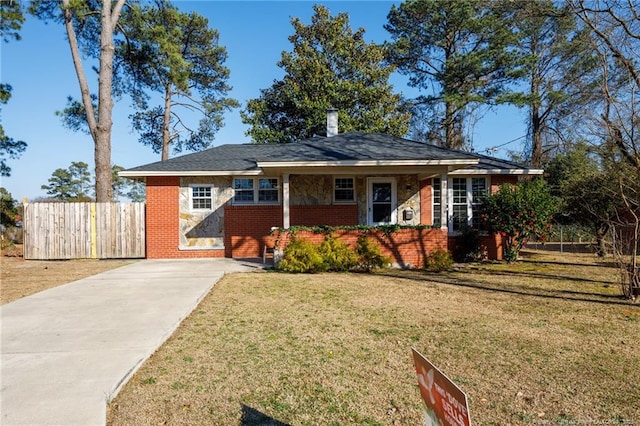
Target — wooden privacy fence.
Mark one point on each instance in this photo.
(84, 230)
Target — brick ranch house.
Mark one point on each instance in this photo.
(224, 201)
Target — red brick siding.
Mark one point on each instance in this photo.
(334, 215)
(247, 229)
(497, 180)
(162, 217)
(426, 202)
(491, 244)
(405, 246)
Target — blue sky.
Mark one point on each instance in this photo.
(40, 70)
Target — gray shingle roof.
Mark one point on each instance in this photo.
(351, 146)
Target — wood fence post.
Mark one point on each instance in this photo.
(94, 237)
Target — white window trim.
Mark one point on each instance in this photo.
(394, 199)
(256, 189)
(355, 197)
(433, 203)
(470, 203)
(201, 185)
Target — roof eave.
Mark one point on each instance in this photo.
(497, 172)
(365, 163)
(145, 173)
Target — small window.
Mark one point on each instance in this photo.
(201, 198)
(344, 190)
(243, 190)
(268, 190)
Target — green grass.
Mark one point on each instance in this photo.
(546, 339)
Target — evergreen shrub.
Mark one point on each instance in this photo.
(302, 256)
(438, 261)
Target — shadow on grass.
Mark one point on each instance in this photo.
(253, 417)
(540, 275)
(534, 257)
(515, 289)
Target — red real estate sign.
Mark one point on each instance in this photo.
(446, 404)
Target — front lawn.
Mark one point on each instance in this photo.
(547, 340)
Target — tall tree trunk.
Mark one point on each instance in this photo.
(536, 119)
(100, 129)
(102, 151)
(166, 135)
(449, 126)
(536, 136)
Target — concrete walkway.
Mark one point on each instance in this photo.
(68, 350)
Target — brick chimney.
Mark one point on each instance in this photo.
(332, 122)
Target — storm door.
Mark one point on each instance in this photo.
(381, 201)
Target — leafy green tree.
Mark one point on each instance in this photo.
(8, 208)
(178, 55)
(91, 26)
(584, 191)
(127, 188)
(615, 30)
(456, 52)
(558, 69)
(330, 66)
(519, 213)
(9, 147)
(11, 20)
(72, 184)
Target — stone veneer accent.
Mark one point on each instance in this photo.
(407, 194)
(310, 190)
(205, 229)
(318, 191)
(200, 229)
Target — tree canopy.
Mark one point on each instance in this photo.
(8, 208)
(178, 56)
(11, 20)
(330, 66)
(557, 69)
(454, 51)
(71, 184)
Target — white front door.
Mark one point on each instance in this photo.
(381, 201)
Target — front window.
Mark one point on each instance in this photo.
(243, 190)
(344, 191)
(256, 190)
(478, 191)
(201, 198)
(465, 195)
(437, 202)
(268, 190)
(459, 205)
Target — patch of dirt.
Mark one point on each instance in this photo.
(20, 278)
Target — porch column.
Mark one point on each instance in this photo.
(444, 201)
(286, 220)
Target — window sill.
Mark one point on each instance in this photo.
(275, 203)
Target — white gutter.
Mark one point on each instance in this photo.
(133, 173)
(365, 163)
(497, 172)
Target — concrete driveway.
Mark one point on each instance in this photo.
(68, 350)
